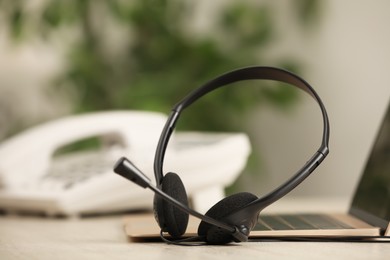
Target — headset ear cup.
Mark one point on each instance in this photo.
(223, 208)
(170, 218)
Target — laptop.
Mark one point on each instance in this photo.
(368, 215)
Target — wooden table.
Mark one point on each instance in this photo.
(24, 237)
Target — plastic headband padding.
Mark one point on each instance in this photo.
(248, 73)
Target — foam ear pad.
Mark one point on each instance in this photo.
(170, 218)
(220, 210)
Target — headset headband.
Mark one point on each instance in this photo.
(248, 73)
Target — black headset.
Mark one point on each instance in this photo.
(232, 218)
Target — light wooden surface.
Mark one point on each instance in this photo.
(103, 238)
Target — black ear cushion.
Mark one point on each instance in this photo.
(170, 218)
(225, 207)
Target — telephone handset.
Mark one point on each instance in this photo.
(30, 153)
(33, 178)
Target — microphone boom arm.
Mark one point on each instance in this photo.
(128, 170)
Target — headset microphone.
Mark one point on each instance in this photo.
(232, 218)
(128, 170)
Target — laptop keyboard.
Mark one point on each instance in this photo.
(299, 222)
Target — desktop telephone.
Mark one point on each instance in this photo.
(34, 177)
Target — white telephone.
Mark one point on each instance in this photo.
(32, 178)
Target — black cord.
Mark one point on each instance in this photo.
(184, 242)
(199, 240)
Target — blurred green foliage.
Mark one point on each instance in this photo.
(160, 58)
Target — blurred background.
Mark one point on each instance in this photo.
(67, 57)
